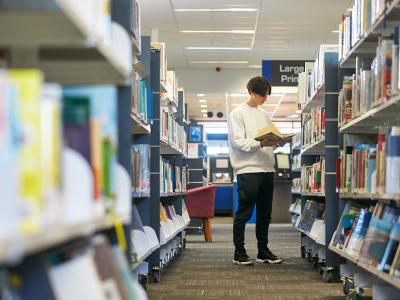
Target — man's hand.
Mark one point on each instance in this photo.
(267, 143)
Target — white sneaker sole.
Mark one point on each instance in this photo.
(245, 263)
(267, 261)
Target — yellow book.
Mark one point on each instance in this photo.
(163, 215)
(272, 134)
(29, 83)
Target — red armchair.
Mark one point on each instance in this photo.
(200, 204)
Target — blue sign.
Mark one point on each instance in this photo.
(282, 72)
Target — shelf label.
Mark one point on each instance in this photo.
(282, 72)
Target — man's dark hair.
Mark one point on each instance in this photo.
(259, 85)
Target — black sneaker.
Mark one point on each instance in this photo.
(266, 256)
(241, 258)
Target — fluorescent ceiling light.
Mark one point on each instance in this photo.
(217, 48)
(298, 111)
(293, 116)
(218, 62)
(204, 110)
(200, 95)
(202, 100)
(233, 9)
(335, 31)
(203, 105)
(239, 31)
(205, 115)
(255, 66)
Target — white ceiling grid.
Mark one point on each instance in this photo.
(284, 29)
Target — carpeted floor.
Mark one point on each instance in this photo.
(205, 270)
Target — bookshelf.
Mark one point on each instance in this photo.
(365, 44)
(368, 119)
(65, 25)
(318, 152)
(86, 180)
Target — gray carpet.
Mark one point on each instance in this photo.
(205, 270)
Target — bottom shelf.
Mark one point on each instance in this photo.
(384, 276)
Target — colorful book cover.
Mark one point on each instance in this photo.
(359, 232)
(104, 137)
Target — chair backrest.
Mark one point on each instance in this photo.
(200, 201)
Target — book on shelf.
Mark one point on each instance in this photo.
(103, 135)
(172, 132)
(135, 22)
(29, 83)
(142, 97)
(374, 82)
(296, 184)
(313, 126)
(303, 95)
(312, 211)
(359, 231)
(163, 61)
(173, 178)
(296, 161)
(172, 86)
(140, 168)
(313, 177)
(272, 134)
(390, 252)
(377, 237)
(372, 168)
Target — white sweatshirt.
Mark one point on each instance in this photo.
(245, 152)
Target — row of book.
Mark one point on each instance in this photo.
(371, 235)
(90, 270)
(171, 223)
(173, 178)
(313, 177)
(140, 168)
(313, 126)
(371, 168)
(142, 99)
(171, 132)
(374, 82)
(55, 143)
(314, 77)
(358, 20)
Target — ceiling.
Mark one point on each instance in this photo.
(269, 29)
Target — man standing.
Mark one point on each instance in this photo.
(253, 163)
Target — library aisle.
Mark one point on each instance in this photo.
(205, 270)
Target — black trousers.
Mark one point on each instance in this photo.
(254, 188)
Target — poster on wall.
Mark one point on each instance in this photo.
(195, 133)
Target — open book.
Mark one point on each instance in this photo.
(272, 134)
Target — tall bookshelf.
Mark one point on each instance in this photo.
(319, 151)
(365, 124)
(161, 207)
(73, 45)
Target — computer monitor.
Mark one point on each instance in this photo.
(282, 161)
